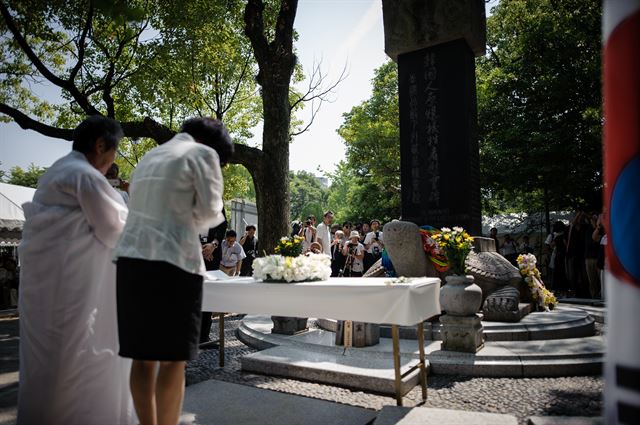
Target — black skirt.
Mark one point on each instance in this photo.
(159, 310)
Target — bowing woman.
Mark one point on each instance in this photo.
(175, 193)
(70, 371)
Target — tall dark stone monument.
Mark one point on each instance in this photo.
(434, 43)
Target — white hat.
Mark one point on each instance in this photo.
(354, 234)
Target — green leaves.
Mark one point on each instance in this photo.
(21, 177)
(367, 184)
(539, 105)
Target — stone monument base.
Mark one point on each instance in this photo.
(288, 325)
(462, 333)
(508, 316)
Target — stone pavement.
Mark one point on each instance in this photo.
(570, 396)
(8, 369)
(521, 397)
(221, 403)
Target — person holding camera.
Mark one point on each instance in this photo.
(353, 251)
(337, 259)
(121, 186)
(308, 232)
(374, 244)
(249, 243)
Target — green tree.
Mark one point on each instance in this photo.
(308, 195)
(367, 184)
(21, 177)
(539, 105)
(149, 64)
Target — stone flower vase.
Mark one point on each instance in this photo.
(462, 327)
(460, 296)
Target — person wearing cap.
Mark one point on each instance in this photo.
(354, 253)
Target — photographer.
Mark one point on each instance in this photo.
(354, 254)
(121, 186)
(337, 259)
(308, 232)
(249, 243)
(374, 244)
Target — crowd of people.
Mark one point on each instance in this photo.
(572, 255)
(353, 248)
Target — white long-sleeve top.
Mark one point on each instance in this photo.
(175, 194)
(70, 371)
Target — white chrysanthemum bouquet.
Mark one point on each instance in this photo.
(290, 266)
(292, 269)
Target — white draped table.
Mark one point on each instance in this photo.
(372, 300)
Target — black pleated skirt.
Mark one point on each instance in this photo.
(159, 310)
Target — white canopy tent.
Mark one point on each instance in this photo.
(11, 215)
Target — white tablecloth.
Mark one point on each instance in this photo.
(358, 299)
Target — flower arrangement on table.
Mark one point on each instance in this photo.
(455, 244)
(531, 275)
(290, 266)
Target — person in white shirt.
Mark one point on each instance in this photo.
(374, 244)
(232, 254)
(354, 254)
(323, 232)
(175, 194)
(70, 372)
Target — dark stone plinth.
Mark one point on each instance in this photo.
(438, 137)
(288, 325)
(363, 334)
(512, 316)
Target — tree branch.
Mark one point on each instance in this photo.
(254, 30)
(81, 44)
(247, 156)
(315, 90)
(29, 123)
(284, 26)
(82, 100)
(237, 87)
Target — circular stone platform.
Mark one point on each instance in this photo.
(556, 343)
(561, 323)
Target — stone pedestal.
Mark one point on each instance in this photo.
(288, 325)
(435, 43)
(462, 333)
(462, 328)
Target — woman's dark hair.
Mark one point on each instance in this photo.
(211, 132)
(94, 127)
(249, 227)
(231, 234)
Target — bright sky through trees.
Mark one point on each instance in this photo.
(336, 32)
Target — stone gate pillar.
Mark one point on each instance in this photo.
(435, 43)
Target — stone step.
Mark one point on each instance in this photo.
(564, 322)
(222, 403)
(537, 358)
(372, 374)
(393, 415)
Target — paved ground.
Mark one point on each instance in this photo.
(573, 396)
(8, 370)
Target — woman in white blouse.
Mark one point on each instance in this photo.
(175, 194)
